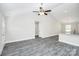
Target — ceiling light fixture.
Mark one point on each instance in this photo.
(42, 11)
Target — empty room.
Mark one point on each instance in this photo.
(39, 29)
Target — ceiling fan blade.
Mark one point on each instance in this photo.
(35, 11)
(45, 13)
(48, 11)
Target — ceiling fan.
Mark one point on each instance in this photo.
(41, 11)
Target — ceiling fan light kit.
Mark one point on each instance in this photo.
(42, 11)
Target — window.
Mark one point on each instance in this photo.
(68, 29)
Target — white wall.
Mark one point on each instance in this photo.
(22, 26)
(48, 26)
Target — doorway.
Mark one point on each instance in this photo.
(36, 29)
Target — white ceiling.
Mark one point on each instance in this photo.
(59, 10)
(11, 7)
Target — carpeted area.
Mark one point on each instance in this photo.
(40, 47)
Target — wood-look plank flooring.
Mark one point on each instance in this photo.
(40, 47)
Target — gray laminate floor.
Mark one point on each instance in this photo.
(40, 47)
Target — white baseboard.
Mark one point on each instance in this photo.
(27, 39)
(71, 43)
(19, 40)
(1, 48)
(49, 36)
